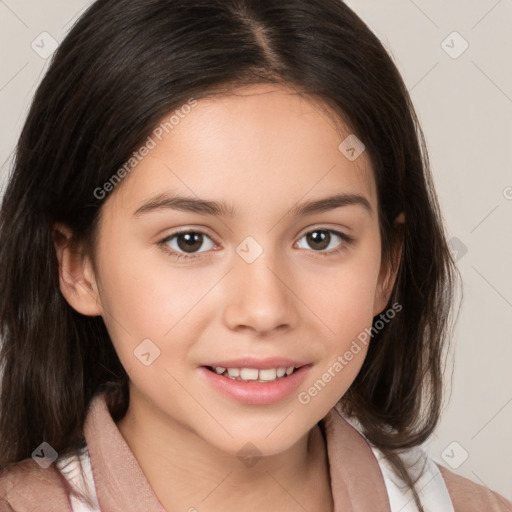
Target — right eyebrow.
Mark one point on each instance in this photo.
(186, 204)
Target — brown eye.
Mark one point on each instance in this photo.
(324, 240)
(319, 239)
(188, 242)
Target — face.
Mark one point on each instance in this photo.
(191, 295)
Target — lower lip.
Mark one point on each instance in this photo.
(257, 393)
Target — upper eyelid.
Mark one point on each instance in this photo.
(321, 227)
(180, 231)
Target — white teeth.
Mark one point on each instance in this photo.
(251, 374)
(280, 372)
(269, 374)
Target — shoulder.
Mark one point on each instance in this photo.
(438, 487)
(468, 496)
(26, 486)
(429, 485)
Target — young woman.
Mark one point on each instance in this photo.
(225, 280)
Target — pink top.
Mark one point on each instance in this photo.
(359, 478)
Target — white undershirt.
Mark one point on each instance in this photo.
(73, 475)
(431, 487)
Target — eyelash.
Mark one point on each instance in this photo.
(192, 256)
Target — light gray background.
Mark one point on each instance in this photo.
(465, 107)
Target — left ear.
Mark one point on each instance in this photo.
(388, 272)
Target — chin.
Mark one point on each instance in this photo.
(257, 445)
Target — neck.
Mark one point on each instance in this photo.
(187, 473)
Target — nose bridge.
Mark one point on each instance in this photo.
(258, 296)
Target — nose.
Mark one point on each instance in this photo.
(260, 296)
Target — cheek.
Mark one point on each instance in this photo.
(145, 291)
(151, 306)
(146, 314)
(343, 299)
(342, 295)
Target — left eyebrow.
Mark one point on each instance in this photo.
(330, 203)
(205, 207)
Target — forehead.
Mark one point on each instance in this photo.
(258, 146)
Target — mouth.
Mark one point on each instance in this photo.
(247, 374)
(254, 382)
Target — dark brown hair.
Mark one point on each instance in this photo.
(125, 65)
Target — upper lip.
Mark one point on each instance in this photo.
(260, 364)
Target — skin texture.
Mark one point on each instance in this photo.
(261, 150)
